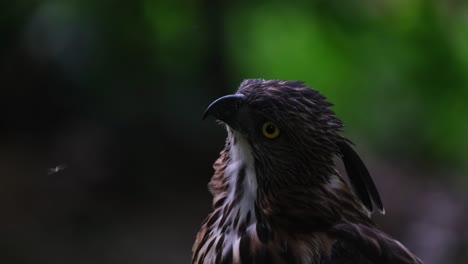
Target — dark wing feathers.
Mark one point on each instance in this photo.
(360, 179)
(356, 243)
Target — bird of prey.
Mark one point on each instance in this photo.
(277, 196)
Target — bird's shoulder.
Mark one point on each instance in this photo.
(358, 243)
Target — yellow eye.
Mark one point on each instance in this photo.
(270, 130)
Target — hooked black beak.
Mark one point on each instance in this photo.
(225, 108)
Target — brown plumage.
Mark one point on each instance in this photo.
(277, 197)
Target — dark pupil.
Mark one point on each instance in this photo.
(270, 129)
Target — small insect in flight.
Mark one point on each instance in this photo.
(56, 169)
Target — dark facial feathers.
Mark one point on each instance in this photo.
(305, 110)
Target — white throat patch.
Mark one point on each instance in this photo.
(240, 173)
(237, 214)
(241, 159)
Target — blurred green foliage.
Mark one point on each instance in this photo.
(397, 71)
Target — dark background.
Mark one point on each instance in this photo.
(111, 94)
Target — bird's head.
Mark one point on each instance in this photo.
(292, 135)
(287, 126)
